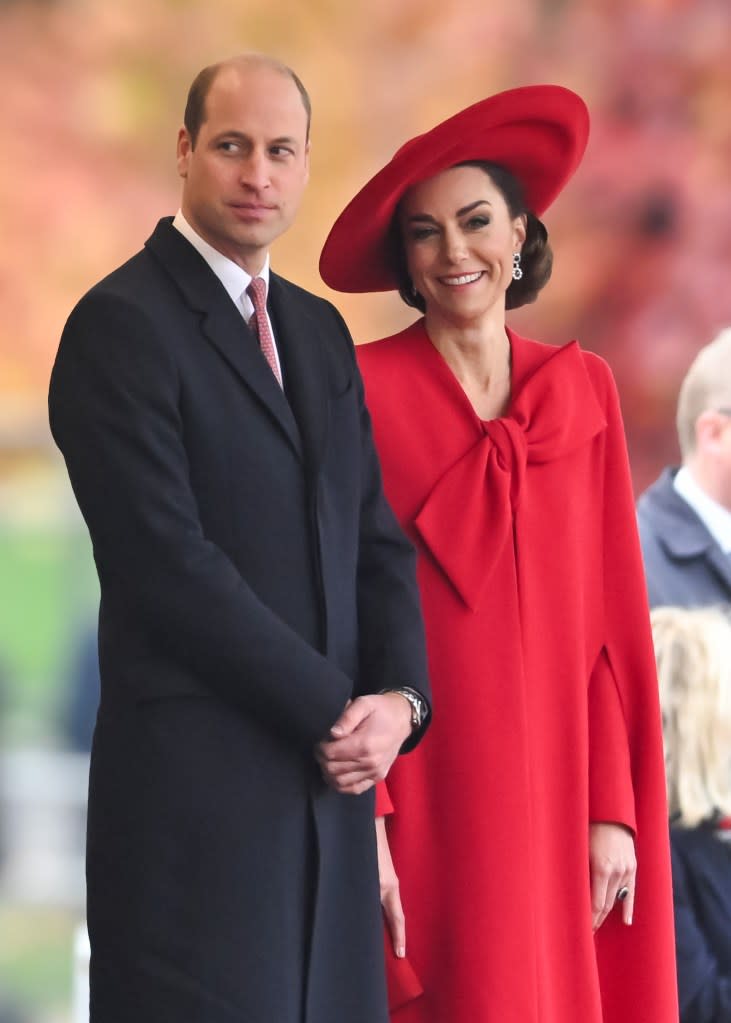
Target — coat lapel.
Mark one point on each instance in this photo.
(721, 563)
(684, 534)
(306, 376)
(221, 323)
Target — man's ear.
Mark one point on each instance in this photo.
(185, 148)
(307, 160)
(709, 428)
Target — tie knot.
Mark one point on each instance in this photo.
(257, 293)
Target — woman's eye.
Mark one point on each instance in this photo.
(419, 233)
(475, 223)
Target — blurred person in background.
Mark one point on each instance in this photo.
(693, 650)
(685, 516)
(257, 599)
(515, 832)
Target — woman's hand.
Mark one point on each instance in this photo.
(390, 895)
(613, 866)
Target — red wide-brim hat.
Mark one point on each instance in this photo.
(537, 132)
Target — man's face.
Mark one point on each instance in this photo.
(243, 181)
(710, 462)
(724, 458)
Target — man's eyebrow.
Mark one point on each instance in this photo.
(231, 134)
(241, 136)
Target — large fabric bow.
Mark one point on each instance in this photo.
(467, 517)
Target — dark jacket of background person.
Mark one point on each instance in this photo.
(253, 579)
(684, 564)
(702, 896)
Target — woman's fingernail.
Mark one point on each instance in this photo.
(401, 952)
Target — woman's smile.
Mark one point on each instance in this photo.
(468, 278)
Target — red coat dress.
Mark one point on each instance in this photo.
(544, 690)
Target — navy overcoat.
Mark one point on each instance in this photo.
(253, 579)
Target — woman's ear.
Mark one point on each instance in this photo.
(519, 231)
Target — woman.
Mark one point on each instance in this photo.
(693, 650)
(515, 828)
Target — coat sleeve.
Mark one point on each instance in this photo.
(637, 963)
(705, 991)
(611, 797)
(392, 649)
(114, 413)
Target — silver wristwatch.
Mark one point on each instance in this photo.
(419, 709)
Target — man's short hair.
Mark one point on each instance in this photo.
(706, 386)
(195, 107)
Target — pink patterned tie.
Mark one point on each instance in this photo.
(260, 325)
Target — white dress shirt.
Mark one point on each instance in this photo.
(233, 277)
(713, 515)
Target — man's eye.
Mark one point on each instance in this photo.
(228, 147)
(281, 151)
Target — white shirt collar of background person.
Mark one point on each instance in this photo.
(713, 515)
(233, 277)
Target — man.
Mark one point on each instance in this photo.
(685, 516)
(254, 591)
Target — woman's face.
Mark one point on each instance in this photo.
(459, 240)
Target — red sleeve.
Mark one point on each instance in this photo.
(611, 794)
(643, 955)
(384, 806)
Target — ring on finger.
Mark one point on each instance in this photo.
(622, 893)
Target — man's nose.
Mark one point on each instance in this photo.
(255, 170)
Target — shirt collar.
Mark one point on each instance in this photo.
(233, 277)
(713, 515)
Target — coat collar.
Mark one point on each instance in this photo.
(553, 412)
(221, 323)
(679, 529)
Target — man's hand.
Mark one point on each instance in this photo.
(365, 741)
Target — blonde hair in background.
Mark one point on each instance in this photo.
(693, 654)
(706, 385)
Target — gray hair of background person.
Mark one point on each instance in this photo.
(693, 653)
(706, 386)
